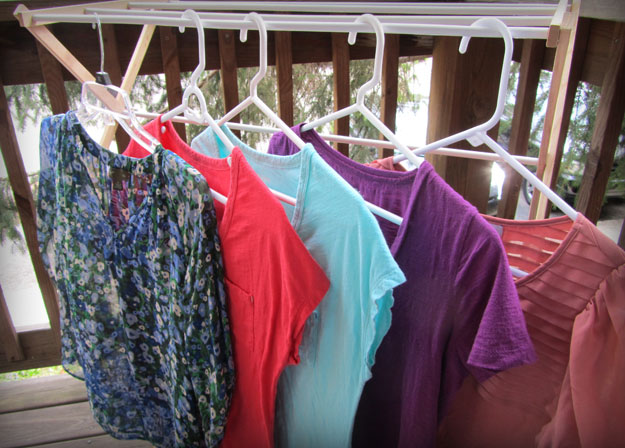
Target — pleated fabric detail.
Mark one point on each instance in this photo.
(568, 264)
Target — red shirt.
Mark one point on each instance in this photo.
(273, 284)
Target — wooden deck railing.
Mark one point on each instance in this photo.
(598, 58)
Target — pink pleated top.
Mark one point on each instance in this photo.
(574, 305)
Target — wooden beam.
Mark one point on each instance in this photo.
(8, 336)
(21, 64)
(463, 94)
(40, 350)
(340, 66)
(611, 10)
(529, 75)
(171, 68)
(390, 79)
(607, 129)
(284, 69)
(113, 68)
(53, 76)
(228, 64)
(131, 75)
(26, 209)
(564, 80)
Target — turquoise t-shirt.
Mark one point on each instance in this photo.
(317, 398)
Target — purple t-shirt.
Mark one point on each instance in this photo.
(457, 314)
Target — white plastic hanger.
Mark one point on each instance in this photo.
(254, 99)
(262, 70)
(359, 105)
(126, 117)
(124, 114)
(477, 134)
(192, 89)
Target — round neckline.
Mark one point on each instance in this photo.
(149, 165)
(374, 174)
(300, 160)
(408, 179)
(556, 255)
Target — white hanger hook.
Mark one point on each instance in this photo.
(262, 43)
(99, 25)
(194, 16)
(499, 26)
(379, 54)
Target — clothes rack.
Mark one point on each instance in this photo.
(128, 14)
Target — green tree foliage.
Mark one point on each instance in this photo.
(10, 228)
(582, 123)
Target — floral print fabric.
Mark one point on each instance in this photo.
(133, 249)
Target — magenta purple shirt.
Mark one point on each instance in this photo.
(458, 314)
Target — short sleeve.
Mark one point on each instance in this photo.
(386, 275)
(378, 274)
(207, 330)
(490, 329)
(591, 405)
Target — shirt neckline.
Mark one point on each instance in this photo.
(575, 228)
(408, 179)
(231, 163)
(150, 164)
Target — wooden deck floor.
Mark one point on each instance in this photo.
(52, 412)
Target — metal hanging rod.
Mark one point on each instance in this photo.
(511, 21)
(152, 18)
(525, 20)
(480, 9)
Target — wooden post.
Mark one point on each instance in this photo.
(463, 93)
(171, 68)
(228, 63)
(568, 60)
(8, 336)
(390, 77)
(607, 129)
(26, 209)
(340, 66)
(113, 68)
(284, 68)
(53, 77)
(531, 65)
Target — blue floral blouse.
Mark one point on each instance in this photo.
(133, 249)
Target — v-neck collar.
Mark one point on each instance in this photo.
(150, 165)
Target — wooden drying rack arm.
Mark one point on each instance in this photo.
(73, 65)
